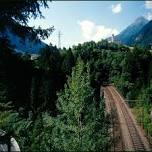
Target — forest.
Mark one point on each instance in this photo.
(53, 102)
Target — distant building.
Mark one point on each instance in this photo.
(34, 56)
(111, 39)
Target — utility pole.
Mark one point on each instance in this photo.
(59, 39)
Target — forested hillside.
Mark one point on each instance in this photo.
(138, 33)
(52, 102)
(56, 97)
(74, 118)
(128, 34)
(143, 37)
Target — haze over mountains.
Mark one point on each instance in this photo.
(24, 45)
(144, 36)
(126, 35)
(21, 39)
(139, 32)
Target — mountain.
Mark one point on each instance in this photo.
(144, 36)
(127, 35)
(23, 43)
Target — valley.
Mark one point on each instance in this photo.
(59, 90)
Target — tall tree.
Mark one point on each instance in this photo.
(79, 125)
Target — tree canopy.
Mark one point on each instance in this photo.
(17, 14)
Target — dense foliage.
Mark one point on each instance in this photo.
(15, 14)
(52, 102)
(73, 118)
(30, 87)
(81, 123)
(47, 121)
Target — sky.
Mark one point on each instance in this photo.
(81, 21)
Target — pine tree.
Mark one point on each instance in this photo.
(17, 14)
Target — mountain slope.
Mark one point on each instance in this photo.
(126, 35)
(22, 40)
(144, 36)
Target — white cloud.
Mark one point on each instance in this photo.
(91, 31)
(149, 16)
(148, 4)
(87, 28)
(116, 8)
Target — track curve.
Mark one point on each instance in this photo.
(133, 138)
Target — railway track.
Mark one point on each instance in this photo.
(129, 129)
(136, 139)
(118, 144)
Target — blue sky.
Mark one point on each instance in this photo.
(81, 21)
